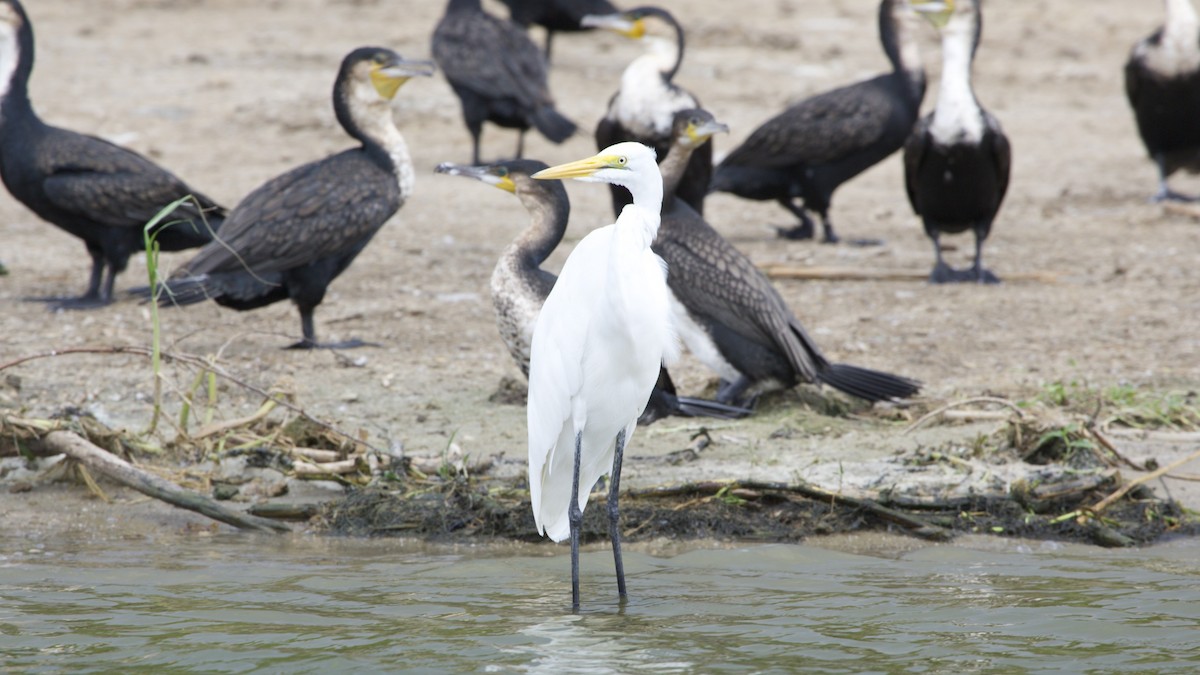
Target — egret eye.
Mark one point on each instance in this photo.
(622, 161)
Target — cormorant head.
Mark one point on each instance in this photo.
(515, 176)
(692, 128)
(625, 164)
(383, 68)
(631, 23)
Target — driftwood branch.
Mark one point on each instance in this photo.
(1124, 489)
(871, 274)
(105, 463)
(916, 526)
(966, 401)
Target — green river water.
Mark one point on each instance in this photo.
(239, 603)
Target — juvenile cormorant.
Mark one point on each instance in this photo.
(497, 73)
(956, 162)
(598, 346)
(1162, 80)
(520, 285)
(97, 191)
(728, 313)
(648, 99)
(292, 236)
(807, 151)
(556, 15)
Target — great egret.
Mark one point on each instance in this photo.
(1162, 81)
(601, 336)
(292, 236)
(729, 314)
(520, 285)
(810, 149)
(642, 108)
(957, 159)
(97, 191)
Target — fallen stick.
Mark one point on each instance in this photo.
(218, 427)
(107, 464)
(1107, 501)
(1189, 210)
(872, 274)
(1164, 436)
(916, 526)
(966, 401)
(305, 468)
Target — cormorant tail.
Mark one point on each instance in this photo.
(872, 385)
(552, 124)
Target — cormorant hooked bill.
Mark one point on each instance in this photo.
(520, 285)
(291, 237)
(808, 151)
(643, 107)
(728, 313)
(93, 189)
(498, 74)
(957, 160)
(556, 15)
(1162, 81)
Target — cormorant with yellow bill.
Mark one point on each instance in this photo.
(957, 160)
(1162, 81)
(97, 191)
(291, 237)
(520, 285)
(807, 151)
(556, 15)
(727, 312)
(643, 107)
(498, 74)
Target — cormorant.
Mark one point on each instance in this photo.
(728, 313)
(807, 151)
(1162, 80)
(97, 191)
(497, 73)
(556, 15)
(292, 236)
(520, 285)
(648, 98)
(957, 160)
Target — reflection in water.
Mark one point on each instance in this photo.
(242, 603)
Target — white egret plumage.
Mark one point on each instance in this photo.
(599, 341)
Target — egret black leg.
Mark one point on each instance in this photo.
(614, 530)
(575, 520)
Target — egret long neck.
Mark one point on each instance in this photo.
(646, 207)
(958, 117)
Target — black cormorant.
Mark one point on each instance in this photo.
(807, 151)
(727, 312)
(97, 191)
(556, 15)
(498, 74)
(520, 285)
(297, 232)
(1162, 80)
(643, 107)
(956, 162)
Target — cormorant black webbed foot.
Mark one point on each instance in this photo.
(1166, 194)
(944, 274)
(353, 343)
(804, 230)
(82, 302)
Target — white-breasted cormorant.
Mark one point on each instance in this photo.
(600, 340)
(519, 285)
(556, 16)
(806, 152)
(498, 74)
(728, 313)
(957, 160)
(1162, 80)
(97, 191)
(646, 102)
(292, 236)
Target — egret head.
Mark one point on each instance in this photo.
(692, 128)
(625, 164)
